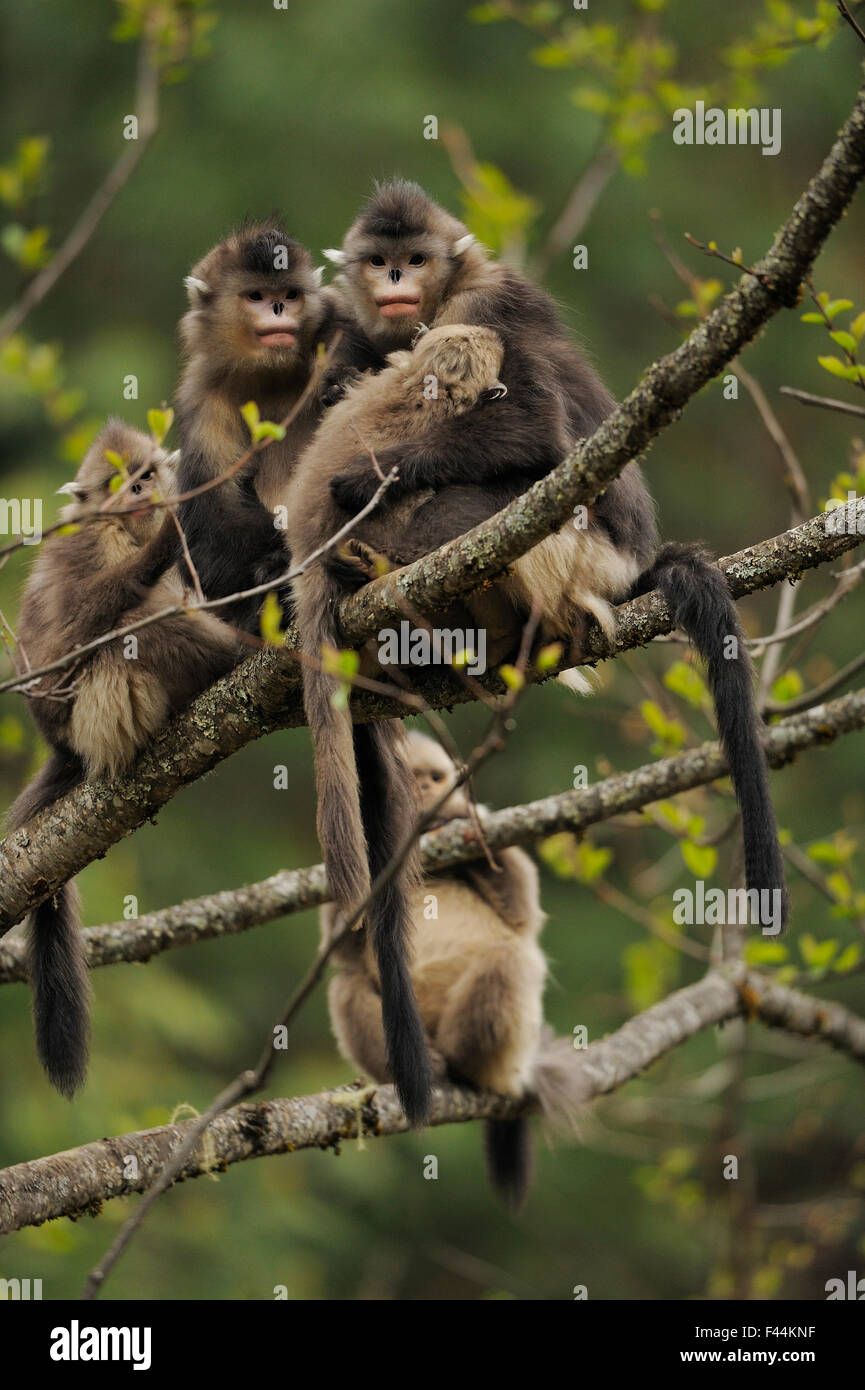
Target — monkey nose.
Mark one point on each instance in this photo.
(278, 307)
(395, 275)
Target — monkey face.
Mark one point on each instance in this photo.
(400, 287)
(146, 472)
(398, 261)
(433, 773)
(255, 303)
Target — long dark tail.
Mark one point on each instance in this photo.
(365, 806)
(510, 1159)
(700, 602)
(558, 1085)
(56, 955)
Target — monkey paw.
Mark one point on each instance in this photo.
(335, 384)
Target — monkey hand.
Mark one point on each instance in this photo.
(335, 383)
(353, 490)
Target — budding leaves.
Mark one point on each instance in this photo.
(342, 665)
(258, 428)
(270, 619)
(159, 422)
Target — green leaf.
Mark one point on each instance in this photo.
(844, 340)
(849, 957)
(813, 318)
(788, 686)
(258, 428)
(816, 954)
(700, 859)
(251, 415)
(759, 952)
(269, 622)
(486, 14)
(857, 327)
(683, 680)
(513, 679)
(159, 422)
(11, 733)
(116, 460)
(549, 657)
(837, 306)
(824, 852)
(833, 365)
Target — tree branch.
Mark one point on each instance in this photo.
(78, 1181)
(237, 910)
(264, 694)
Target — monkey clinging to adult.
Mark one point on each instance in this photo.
(98, 712)
(256, 316)
(479, 974)
(405, 261)
(365, 804)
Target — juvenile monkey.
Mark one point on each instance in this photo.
(406, 261)
(97, 713)
(364, 798)
(479, 973)
(256, 316)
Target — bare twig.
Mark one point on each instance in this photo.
(826, 402)
(147, 102)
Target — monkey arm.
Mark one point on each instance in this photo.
(490, 442)
(231, 535)
(353, 355)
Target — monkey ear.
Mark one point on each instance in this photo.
(198, 290)
(318, 274)
(336, 256)
(462, 244)
(74, 490)
(172, 460)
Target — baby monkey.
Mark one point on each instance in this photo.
(96, 714)
(478, 972)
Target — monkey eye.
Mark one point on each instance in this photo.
(437, 776)
(417, 259)
(292, 294)
(255, 295)
(376, 260)
(143, 477)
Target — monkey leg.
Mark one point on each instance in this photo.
(355, 1015)
(490, 1028)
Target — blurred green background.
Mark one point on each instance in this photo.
(300, 110)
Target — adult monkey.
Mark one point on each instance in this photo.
(256, 316)
(407, 262)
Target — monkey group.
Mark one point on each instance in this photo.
(430, 364)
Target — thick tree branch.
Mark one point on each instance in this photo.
(78, 1181)
(263, 694)
(238, 910)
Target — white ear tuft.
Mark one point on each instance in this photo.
(72, 489)
(173, 460)
(334, 255)
(462, 244)
(198, 289)
(318, 274)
